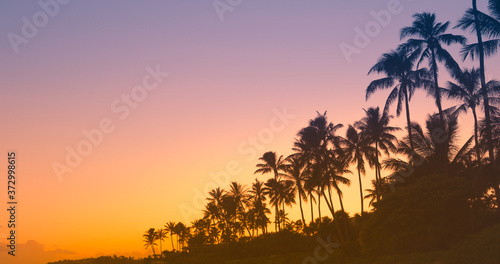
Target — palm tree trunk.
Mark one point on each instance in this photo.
(360, 189)
(377, 176)
(408, 122)
(160, 242)
(312, 211)
(484, 93)
(330, 206)
(301, 211)
(283, 220)
(340, 199)
(330, 196)
(319, 205)
(277, 222)
(172, 240)
(476, 141)
(437, 93)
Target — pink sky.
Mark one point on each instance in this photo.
(226, 80)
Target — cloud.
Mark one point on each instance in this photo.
(33, 252)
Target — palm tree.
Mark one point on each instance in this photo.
(280, 193)
(183, 234)
(310, 189)
(258, 204)
(489, 26)
(430, 37)
(435, 153)
(161, 234)
(170, 227)
(229, 214)
(357, 149)
(149, 239)
(295, 170)
(314, 144)
(398, 65)
(336, 167)
(212, 213)
(379, 190)
(467, 89)
(215, 196)
(376, 130)
(271, 163)
(239, 194)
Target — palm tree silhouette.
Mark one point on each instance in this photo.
(161, 234)
(239, 194)
(170, 227)
(398, 65)
(258, 204)
(375, 128)
(296, 171)
(489, 26)
(271, 163)
(357, 149)
(431, 35)
(314, 144)
(468, 90)
(336, 167)
(183, 233)
(380, 188)
(436, 148)
(213, 214)
(149, 239)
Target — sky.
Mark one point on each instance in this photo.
(124, 114)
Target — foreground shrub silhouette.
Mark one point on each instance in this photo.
(481, 248)
(427, 215)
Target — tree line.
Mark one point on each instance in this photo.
(316, 171)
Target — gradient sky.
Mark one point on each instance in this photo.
(227, 77)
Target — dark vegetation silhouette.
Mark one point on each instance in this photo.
(437, 203)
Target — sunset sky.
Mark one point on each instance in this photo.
(228, 76)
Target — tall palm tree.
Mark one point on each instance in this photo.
(488, 26)
(149, 239)
(376, 130)
(357, 149)
(431, 36)
(310, 189)
(314, 143)
(212, 213)
(170, 227)
(280, 193)
(337, 166)
(161, 234)
(398, 65)
(259, 208)
(272, 164)
(183, 234)
(295, 170)
(467, 89)
(239, 194)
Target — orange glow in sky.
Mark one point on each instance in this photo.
(94, 79)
